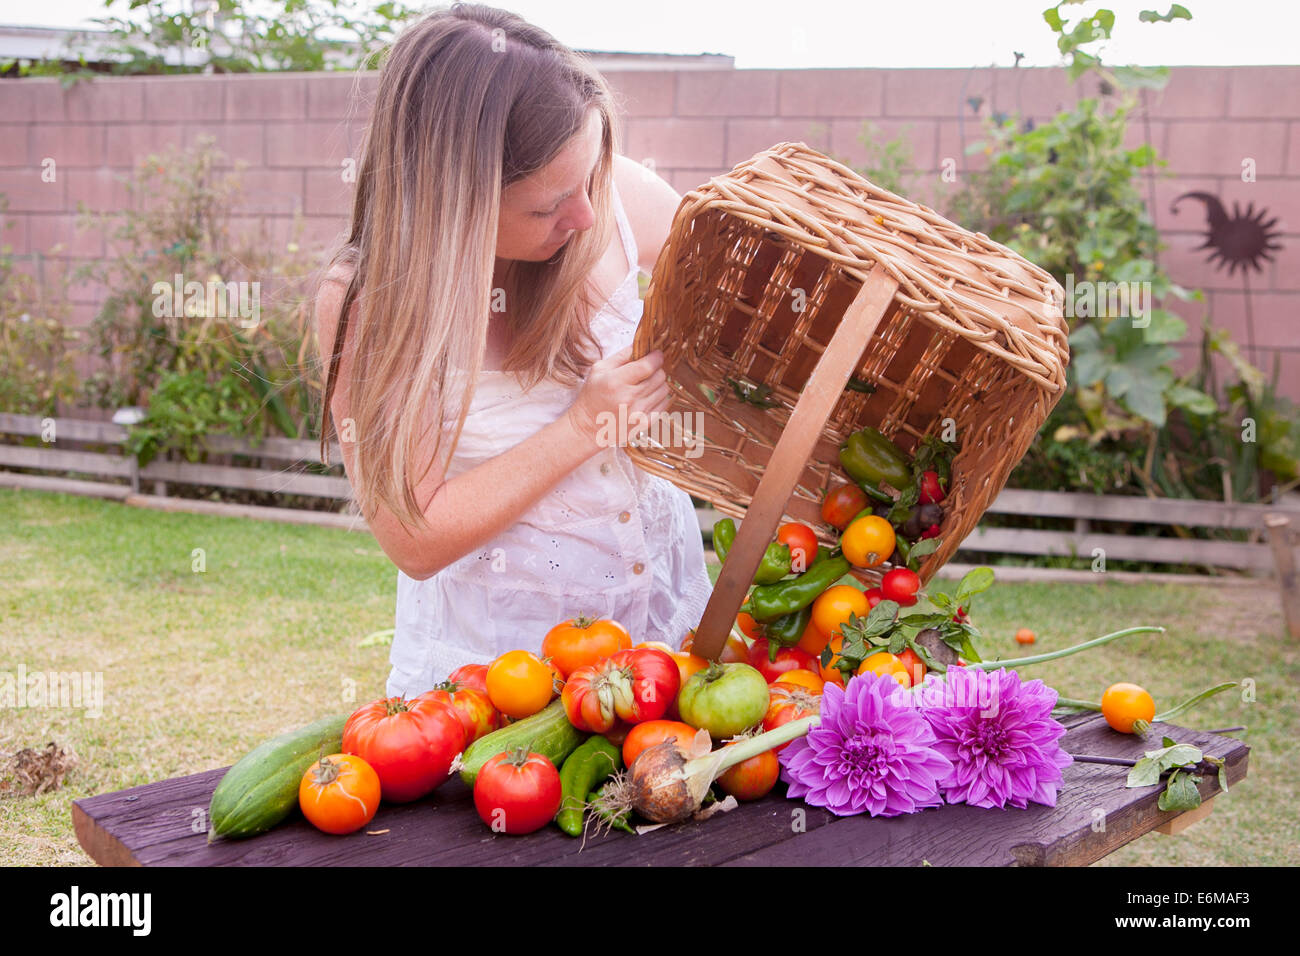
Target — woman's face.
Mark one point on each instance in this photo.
(541, 211)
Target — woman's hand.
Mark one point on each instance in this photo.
(615, 404)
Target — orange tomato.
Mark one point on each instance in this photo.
(1124, 704)
(582, 641)
(915, 667)
(734, 651)
(520, 684)
(339, 793)
(753, 778)
(748, 626)
(802, 678)
(813, 640)
(646, 734)
(833, 607)
(830, 673)
(868, 542)
(884, 664)
(1025, 636)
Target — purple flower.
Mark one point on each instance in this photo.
(999, 736)
(873, 751)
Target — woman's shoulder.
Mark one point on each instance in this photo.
(650, 205)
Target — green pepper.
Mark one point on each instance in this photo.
(617, 820)
(724, 532)
(786, 630)
(870, 458)
(594, 760)
(787, 597)
(775, 564)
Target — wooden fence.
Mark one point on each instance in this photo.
(1268, 529)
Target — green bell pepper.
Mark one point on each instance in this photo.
(870, 458)
(787, 597)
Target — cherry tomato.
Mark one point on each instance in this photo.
(885, 664)
(802, 541)
(517, 792)
(1025, 636)
(931, 490)
(409, 743)
(901, 585)
(645, 735)
(873, 596)
(835, 605)
(582, 641)
(842, 504)
(868, 541)
(1124, 704)
(339, 793)
(519, 684)
(787, 659)
(753, 778)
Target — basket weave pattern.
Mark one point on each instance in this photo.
(761, 264)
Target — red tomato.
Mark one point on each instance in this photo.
(470, 675)
(915, 666)
(842, 504)
(473, 707)
(787, 702)
(931, 490)
(517, 792)
(636, 685)
(409, 743)
(901, 585)
(787, 659)
(339, 793)
(874, 596)
(753, 778)
(802, 541)
(646, 735)
(582, 641)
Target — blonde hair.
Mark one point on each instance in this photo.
(470, 99)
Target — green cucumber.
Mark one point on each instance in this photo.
(262, 788)
(547, 732)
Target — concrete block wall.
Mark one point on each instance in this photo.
(296, 132)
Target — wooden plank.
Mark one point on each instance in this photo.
(288, 481)
(1231, 554)
(1179, 511)
(283, 449)
(69, 429)
(155, 824)
(1279, 539)
(52, 459)
(67, 486)
(257, 512)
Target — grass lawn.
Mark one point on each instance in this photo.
(199, 666)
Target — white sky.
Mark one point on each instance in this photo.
(863, 33)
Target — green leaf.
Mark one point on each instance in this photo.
(1176, 12)
(897, 643)
(1145, 397)
(1192, 400)
(1053, 18)
(1180, 793)
(1163, 327)
(923, 547)
(976, 581)
(1146, 772)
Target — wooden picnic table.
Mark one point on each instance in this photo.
(161, 824)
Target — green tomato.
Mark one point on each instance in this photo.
(724, 699)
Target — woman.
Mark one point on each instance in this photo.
(489, 284)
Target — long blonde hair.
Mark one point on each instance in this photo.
(470, 99)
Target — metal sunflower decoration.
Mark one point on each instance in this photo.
(1240, 241)
(1243, 240)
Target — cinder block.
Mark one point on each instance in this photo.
(726, 92)
(642, 92)
(845, 93)
(676, 142)
(68, 144)
(1198, 147)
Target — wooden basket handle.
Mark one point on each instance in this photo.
(789, 458)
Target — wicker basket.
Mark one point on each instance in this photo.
(795, 273)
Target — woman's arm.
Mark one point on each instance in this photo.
(474, 507)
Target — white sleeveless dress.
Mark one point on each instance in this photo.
(610, 540)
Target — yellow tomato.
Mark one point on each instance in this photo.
(519, 684)
(1123, 705)
(868, 542)
(802, 678)
(885, 664)
(833, 607)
